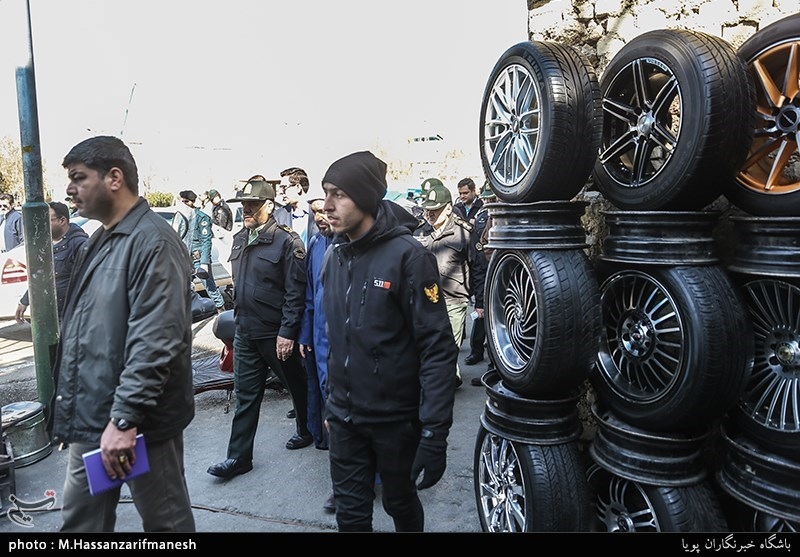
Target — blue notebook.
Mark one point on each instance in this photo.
(96, 473)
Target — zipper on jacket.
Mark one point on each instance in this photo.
(364, 293)
(376, 360)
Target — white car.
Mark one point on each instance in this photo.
(13, 280)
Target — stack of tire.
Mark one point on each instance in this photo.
(542, 298)
(679, 401)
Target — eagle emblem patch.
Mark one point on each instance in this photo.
(432, 292)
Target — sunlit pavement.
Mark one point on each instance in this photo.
(284, 492)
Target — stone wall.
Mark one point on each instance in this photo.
(599, 28)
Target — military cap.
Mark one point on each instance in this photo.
(436, 197)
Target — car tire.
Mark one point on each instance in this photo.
(543, 325)
(676, 350)
(678, 112)
(623, 505)
(768, 183)
(540, 123)
(529, 488)
(769, 407)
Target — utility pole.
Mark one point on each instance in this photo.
(36, 221)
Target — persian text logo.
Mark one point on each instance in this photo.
(18, 514)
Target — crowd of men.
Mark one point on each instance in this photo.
(356, 304)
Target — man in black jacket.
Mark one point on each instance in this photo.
(269, 275)
(67, 239)
(124, 361)
(391, 356)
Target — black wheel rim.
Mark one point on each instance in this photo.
(642, 115)
(512, 309)
(643, 349)
(501, 486)
(622, 505)
(772, 397)
(511, 124)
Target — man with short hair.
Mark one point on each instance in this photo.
(124, 361)
(391, 354)
(468, 203)
(269, 277)
(290, 194)
(67, 239)
(198, 239)
(12, 233)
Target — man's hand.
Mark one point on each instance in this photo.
(116, 450)
(284, 347)
(432, 460)
(19, 316)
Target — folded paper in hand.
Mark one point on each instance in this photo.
(96, 473)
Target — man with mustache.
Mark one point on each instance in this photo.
(269, 275)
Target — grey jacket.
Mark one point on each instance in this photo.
(126, 335)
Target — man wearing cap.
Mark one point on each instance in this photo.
(447, 236)
(221, 214)
(391, 355)
(269, 274)
(198, 239)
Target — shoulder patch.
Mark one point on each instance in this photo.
(299, 253)
(462, 223)
(479, 246)
(431, 292)
(286, 228)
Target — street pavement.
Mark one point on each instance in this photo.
(283, 493)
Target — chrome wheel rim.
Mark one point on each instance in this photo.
(642, 116)
(501, 485)
(773, 162)
(511, 124)
(643, 347)
(512, 307)
(772, 397)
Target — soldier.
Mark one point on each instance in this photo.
(448, 236)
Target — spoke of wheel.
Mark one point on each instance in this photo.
(785, 152)
(640, 85)
(664, 97)
(629, 493)
(791, 85)
(641, 158)
(771, 91)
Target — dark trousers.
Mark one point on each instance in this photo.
(252, 360)
(316, 403)
(356, 453)
(477, 339)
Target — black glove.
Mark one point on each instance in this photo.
(432, 459)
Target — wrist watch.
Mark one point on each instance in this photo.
(122, 424)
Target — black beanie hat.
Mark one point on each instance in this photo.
(362, 176)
